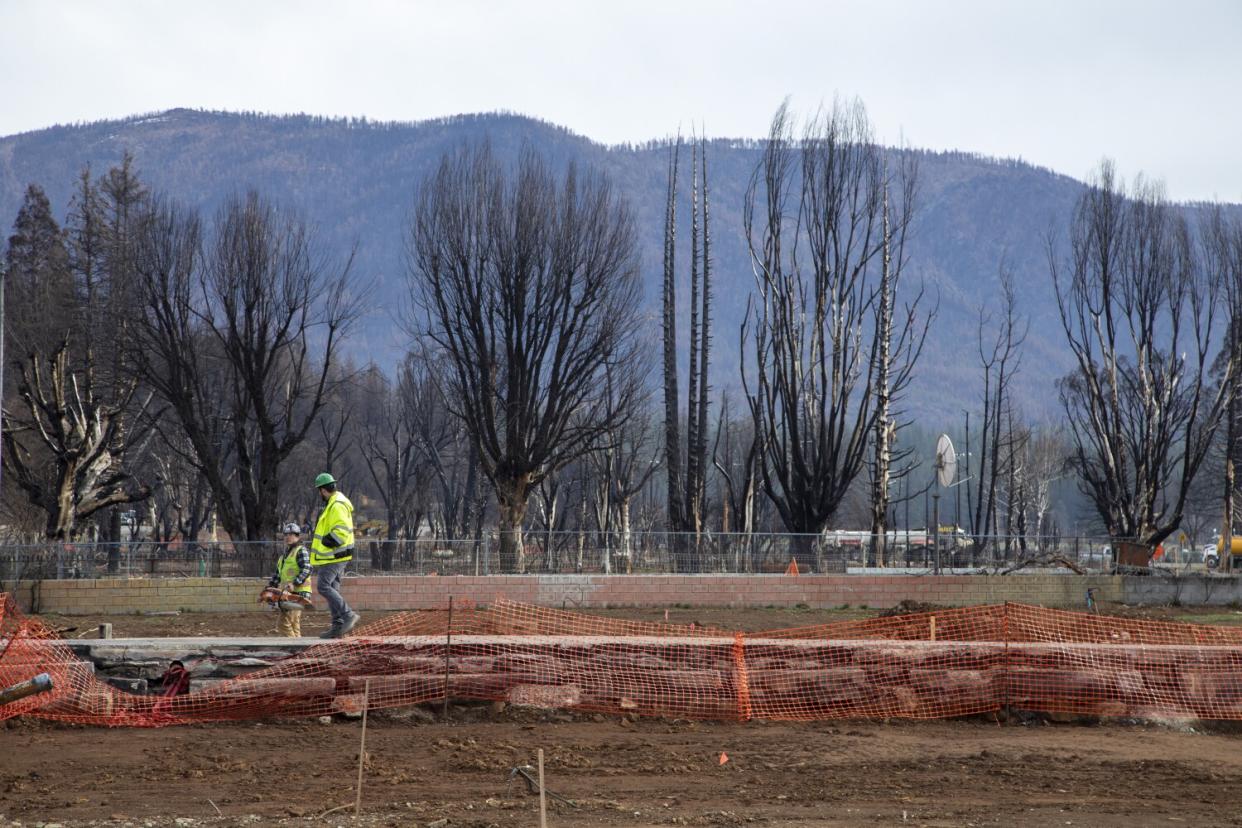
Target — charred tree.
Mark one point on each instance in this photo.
(1000, 357)
(885, 424)
(672, 407)
(813, 218)
(738, 466)
(1223, 256)
(239, 334)
(70, 442)
(1139, 310)
(687, 491)
(528, 286)
(622, 464)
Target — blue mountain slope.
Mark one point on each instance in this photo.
(356, 181)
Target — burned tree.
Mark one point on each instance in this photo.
(239, 334)
(405, 433)
(1038, 462)
(527, 284)
(1222, 248)
(1000, 357)
(687, 470)
(738, 465)
(444, 449)
(81, 432)
(626, 457)
(814, 215)
(888, 463)
(181, 502)
(737, 462)
(40, 287)
(67, 444)
(1138, 309)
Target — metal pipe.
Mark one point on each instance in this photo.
(39, 684)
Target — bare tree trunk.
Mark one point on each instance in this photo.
(1225, 553)
(549, 508)
(693, 483)
(687, 495)
(627, 549)
(705, 328)
(512, 497)
(672, 423)
(884, 426)
(1000, 357)
(582, 509)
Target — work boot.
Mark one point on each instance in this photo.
(349, 623)
(332, 632)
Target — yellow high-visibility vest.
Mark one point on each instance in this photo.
(336, 524)
(287, 568)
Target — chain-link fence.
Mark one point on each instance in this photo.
(136, 559)
(912, 552)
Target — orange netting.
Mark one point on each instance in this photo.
(929, 665)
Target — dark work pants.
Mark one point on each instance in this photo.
(329, 585)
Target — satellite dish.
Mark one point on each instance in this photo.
(946, 461)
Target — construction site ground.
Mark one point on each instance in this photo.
(747, 619)
(426, 771)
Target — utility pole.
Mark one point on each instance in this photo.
(905, 481)
(974, 543)
(969, 506)
(957, 508)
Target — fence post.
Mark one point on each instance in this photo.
(742, 677)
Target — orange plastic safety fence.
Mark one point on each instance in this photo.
(930, 665)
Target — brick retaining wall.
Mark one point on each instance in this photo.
(121, 596)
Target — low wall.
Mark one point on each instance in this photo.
(1190, 590)
(121, 596)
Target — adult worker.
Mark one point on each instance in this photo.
(293, 571)
(331, 549)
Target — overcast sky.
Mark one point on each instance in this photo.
(1060, 83)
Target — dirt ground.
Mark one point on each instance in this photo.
(620, 772)
(264, 622)
(457, 773)
(745, 619)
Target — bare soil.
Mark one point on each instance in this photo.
(264, 622)
(445, 774)
(747, 619)
(621, 772)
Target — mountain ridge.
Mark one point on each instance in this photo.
(355, 179)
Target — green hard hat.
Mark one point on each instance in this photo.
(324, 479)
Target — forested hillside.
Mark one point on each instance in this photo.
(356, 180)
